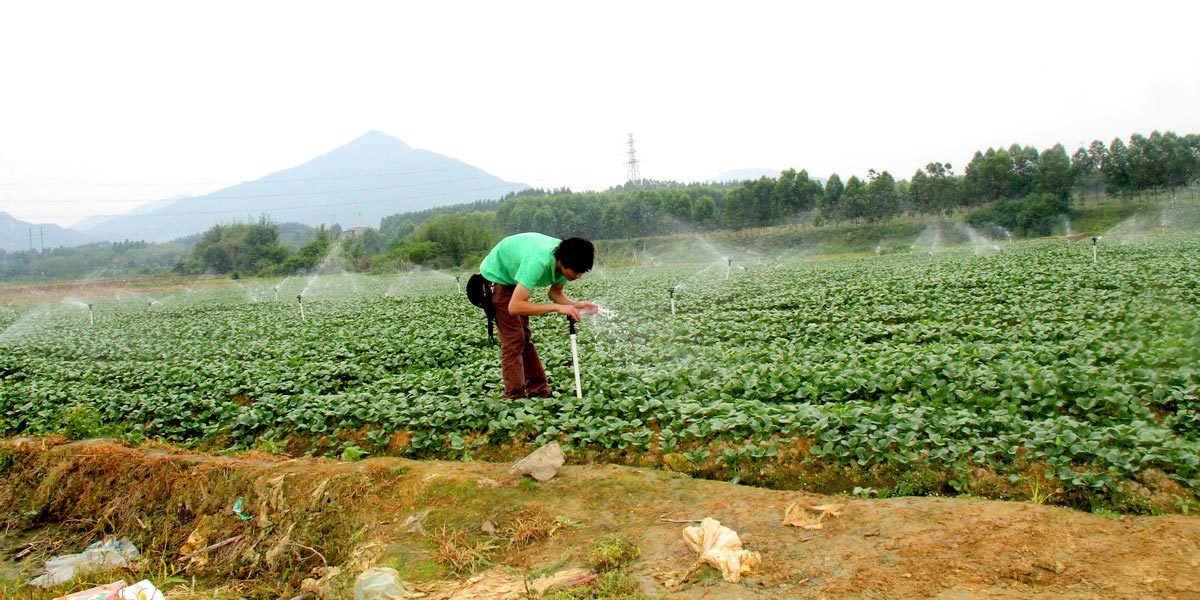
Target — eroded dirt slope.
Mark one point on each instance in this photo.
(304, 514)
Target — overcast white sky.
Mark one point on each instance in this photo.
(107, 105)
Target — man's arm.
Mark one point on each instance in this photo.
(559, 296)
(519, 304)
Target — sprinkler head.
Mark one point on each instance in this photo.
(89, 307)
(671, 291)
(300, 298)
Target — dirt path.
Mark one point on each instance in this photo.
(902, 547)
(43, 293)
(893, 548)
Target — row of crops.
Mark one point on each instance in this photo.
(951, 361)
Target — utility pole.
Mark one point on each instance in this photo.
(42, 231)
(633, 175)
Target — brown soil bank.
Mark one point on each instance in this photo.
(445, 521)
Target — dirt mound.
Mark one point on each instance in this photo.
(440, 523)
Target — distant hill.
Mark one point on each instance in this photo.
(360, 183)
(149, 207)
(14, 235)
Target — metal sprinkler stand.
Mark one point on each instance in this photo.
(671, 291)
(300, 299)
(575, 357)
(458, 283)
(91, 317)
(1095, 252)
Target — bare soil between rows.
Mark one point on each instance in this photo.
(307, 513)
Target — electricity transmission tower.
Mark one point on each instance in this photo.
(634, 175)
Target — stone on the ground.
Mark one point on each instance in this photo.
(542, 465)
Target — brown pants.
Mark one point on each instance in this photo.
(519, 362)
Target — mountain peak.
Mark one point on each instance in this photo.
(369, 178)
(376, 137)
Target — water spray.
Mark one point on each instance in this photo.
(671, 292)
(575, 358)
(91, 317)
(300, 300)
(607, 313)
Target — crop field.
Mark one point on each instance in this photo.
(1026, 371)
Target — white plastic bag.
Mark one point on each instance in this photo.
(101, 556)
(380, 583)
(142, 590)
(721, 547)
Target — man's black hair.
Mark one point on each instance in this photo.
(576, 254)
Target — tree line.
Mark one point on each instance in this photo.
(254, 249)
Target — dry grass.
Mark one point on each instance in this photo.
(530, 526)
(462, 552)
(170, 504)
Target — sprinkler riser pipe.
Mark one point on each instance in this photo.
(575, 364)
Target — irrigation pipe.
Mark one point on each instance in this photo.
(575, 358)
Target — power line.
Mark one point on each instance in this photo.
(317, 193)
(305, 206)
(231, 183)
(235, 212)
(327, 192)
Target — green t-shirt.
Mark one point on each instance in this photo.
(524, 258)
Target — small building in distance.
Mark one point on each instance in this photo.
(354, 231)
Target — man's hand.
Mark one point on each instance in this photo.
(568, 311)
